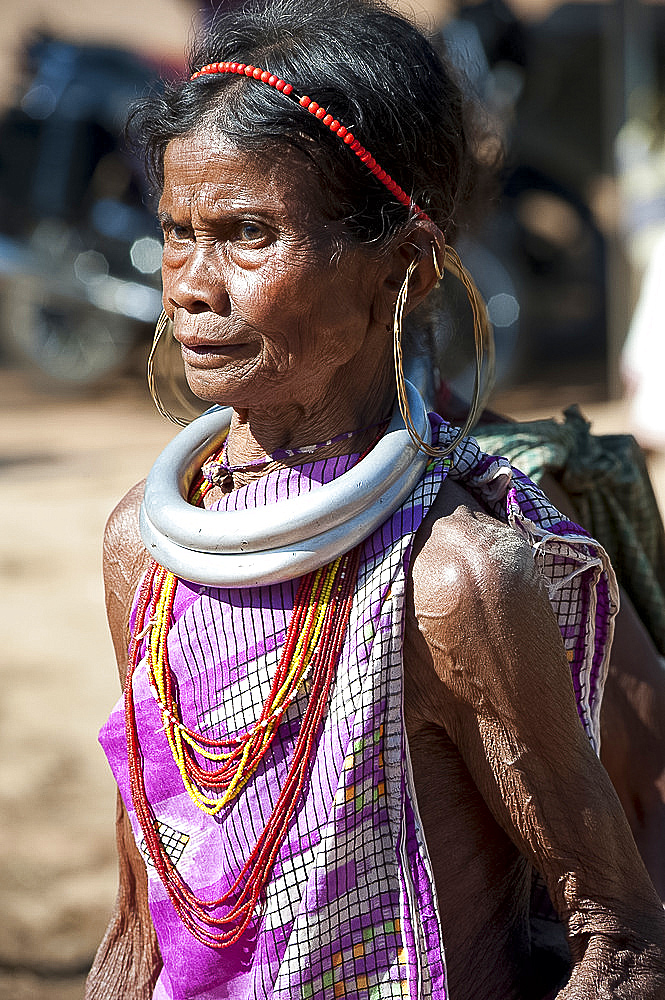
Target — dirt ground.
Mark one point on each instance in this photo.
(63, 465)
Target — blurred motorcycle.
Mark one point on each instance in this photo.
(538, 254)
(80, 251)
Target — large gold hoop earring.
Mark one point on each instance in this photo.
(483, 341)
(163, 323)
(483, 337)
(437, 267)
(398, 359)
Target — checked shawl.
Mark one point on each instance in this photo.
(351, 908)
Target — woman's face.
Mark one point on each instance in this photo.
(266, 313)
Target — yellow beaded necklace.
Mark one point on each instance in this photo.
(315, 609)
(246, 750)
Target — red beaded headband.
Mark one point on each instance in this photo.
(327, 119)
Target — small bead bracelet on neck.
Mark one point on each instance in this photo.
(218, 470)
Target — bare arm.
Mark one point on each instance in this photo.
(633, 736)
(500, 685)
(633, 723)
(128, 961)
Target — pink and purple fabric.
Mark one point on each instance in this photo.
(351, 909)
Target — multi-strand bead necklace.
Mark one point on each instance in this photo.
(311, 650)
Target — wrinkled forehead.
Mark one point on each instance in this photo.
(206, 166)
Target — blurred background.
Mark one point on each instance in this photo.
(569, 259)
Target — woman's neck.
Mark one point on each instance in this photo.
(258, 440)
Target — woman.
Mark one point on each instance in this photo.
(349, 734)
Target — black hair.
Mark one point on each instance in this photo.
(369, 67)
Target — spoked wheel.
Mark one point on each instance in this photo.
(68, 344)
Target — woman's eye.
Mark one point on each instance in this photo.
(250, 232)
(175, 232)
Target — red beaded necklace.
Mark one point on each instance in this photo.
(323, 604)
(347, 137)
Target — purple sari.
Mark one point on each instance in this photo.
(350, 910)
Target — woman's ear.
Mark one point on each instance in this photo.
(423, 243)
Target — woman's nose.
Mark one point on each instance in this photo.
(198, 286)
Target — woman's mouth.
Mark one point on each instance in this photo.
(204, 355)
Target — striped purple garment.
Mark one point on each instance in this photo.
(351, 909)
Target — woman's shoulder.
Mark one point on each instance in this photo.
(466, 560)
(121, 534)
(125, 561)
(480, 622)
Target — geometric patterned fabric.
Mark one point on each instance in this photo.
(350, 910)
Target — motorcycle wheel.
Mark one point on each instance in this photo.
(66, 344)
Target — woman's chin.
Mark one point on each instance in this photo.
(213, 386)
(209, 390)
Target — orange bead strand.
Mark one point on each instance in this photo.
(318, 624)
